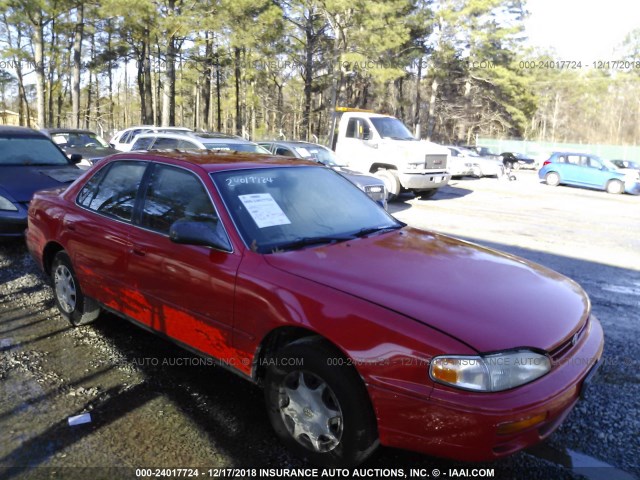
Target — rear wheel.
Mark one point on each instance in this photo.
(319, 406)
(71, 302)
(552, 179)
(391, 182)
(615, 186)
(426, 194)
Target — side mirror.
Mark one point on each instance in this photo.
(206, 233)
(75, 158)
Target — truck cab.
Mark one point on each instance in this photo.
(383, 146)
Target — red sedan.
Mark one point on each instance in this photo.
(361, 330)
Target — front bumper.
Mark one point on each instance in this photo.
(632, 187)
(464, 425)
(13, 224)
(424, 180)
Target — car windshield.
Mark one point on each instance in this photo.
(278, 209)
(319, 154)
(30, 151)
(608, 164)
(235, 147)
(389, 127)
(78, 139)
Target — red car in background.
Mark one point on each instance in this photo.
(362, 331)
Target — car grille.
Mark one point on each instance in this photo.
(564, 348)
(433, 161)
(376, 192)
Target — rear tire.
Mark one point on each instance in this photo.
(391, 182)
(552, 179)
(426, 194)
(71, 302)
(319, 406)
(615, 187)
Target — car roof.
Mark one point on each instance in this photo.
(11, 131)
(214, 161)
(292, 143)
(203, 138)
(66, 130)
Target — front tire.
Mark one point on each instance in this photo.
(319, 406)
(391, 182)
(552, 179)
(615, 187)
(71, 302)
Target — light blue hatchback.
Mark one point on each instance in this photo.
(590, 171)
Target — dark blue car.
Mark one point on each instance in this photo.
(29, 161)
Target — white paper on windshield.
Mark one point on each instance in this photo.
(59, 139)
(264, 210)
(303, 151)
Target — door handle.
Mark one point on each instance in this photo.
(71, 226)
(138, 251)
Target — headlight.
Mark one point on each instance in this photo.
(5, 204)
(489, 373)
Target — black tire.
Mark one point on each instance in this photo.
(391, 182)
(615, 187)
(426, 194)
(552, 179)
(342, 413)
(70, 300)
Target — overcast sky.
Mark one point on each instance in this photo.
(585, 30)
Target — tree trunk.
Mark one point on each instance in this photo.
(77, 60)
(147, 108)
(38, 48)
(416, 106)
(218, 99)
(238, 125)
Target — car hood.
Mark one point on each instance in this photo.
(20, 182)
(489, 300)
(91, 153)
(358, 178)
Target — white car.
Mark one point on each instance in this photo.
(195, 141)
(481, 166)
(459, 165)
(123, 140)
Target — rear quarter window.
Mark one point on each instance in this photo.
(113, 190)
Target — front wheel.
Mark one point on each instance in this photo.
(73, 305)
(552, 179)
(319, 406)
(391, 182)
(615, 187)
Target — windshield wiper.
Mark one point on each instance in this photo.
(310, 241)
(368, 231)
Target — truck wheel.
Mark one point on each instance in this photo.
(426, 194)
(319, 406)
(391, 182)
(73, 305)
(615, 187)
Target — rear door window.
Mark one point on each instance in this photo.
(113, 190)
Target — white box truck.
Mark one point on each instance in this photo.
(383, 146)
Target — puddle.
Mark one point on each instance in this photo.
(589, 467)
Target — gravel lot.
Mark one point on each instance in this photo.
(154, 405)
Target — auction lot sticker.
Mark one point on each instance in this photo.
(264, 210)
